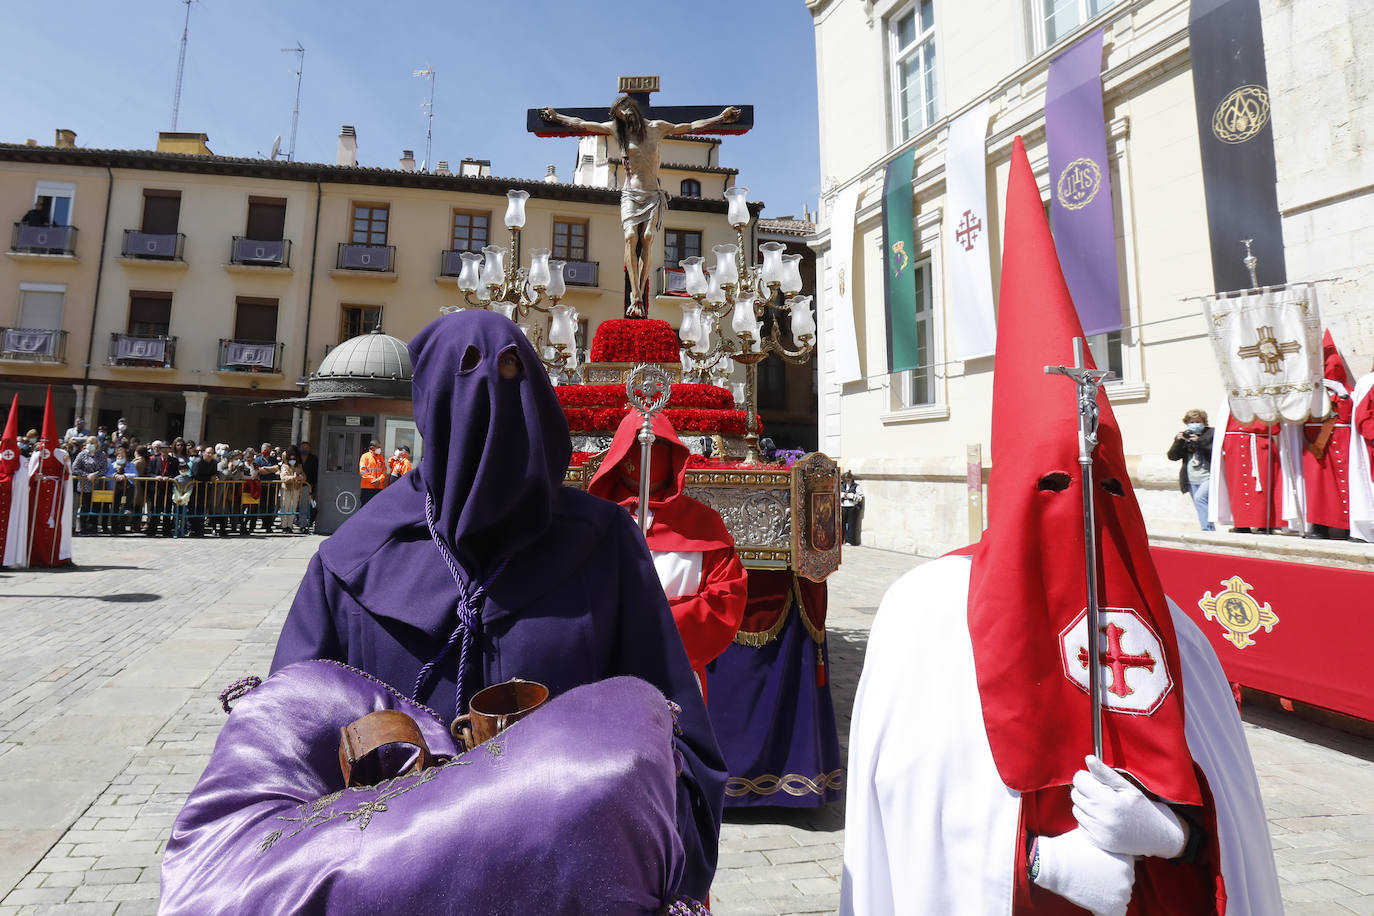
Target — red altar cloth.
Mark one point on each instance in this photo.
(1300, 624)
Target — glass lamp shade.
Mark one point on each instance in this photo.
(714, 294)
(483, 296)
(791, 274)
(738, 216)
(743, 321)
(494, 268)
(561, 330)
(505, 308)
(772, 262)
(469, 275)
(532, 334)
(690, 332)
(726, 273)
(539, 268)
(515, 209)
(693, 275)
(803, 322)
(557, 286)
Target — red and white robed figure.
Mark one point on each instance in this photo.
(1326, 456)
(1362, 460)
(50, 497)
(1256, 477)
(971, 786)
(14, 496)
(693, 551)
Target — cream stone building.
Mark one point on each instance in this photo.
(183, 290)
(892, 74)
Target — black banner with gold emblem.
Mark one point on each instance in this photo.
(1236, 137)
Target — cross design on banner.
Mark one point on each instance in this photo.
(967, 231)
(1268, 350)
(1117, 660)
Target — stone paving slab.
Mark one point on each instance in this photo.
(114, 669)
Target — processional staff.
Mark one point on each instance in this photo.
(648, 387)
(1088, 381)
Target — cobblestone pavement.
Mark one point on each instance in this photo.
(111, 673)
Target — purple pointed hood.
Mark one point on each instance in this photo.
(496, 449)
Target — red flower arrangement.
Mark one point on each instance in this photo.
(684, 419)
(635, 340)
(710, 397)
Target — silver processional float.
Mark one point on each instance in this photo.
(1087, 382)
(648, 387)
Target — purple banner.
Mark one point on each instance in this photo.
(1080, 185)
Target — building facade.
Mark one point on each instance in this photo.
(893, 74)
(184, 290)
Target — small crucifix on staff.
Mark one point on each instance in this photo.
(640, 129)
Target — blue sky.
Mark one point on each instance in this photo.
(107, 70)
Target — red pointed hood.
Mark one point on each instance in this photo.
(679, 522)
(9, 444)
(48, 442)
(1027, 595)
(1333, 364)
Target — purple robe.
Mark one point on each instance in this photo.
(565, 589)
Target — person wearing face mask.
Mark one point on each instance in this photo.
(398, 465)
(1193, 446)
(88, 468)
(292, 477)
(27, 444)
(373, 471)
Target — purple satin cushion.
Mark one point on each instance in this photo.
(571, 810)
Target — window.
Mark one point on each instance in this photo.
(266, 219)
(161, 211)
(55, 199)
(40, 306)
(255, 319)
(570, 240)
(916, 387)
(369, 224)
(679, 244)
(150, 314)
(1106, 351)
(357, 320)
(690, 188)
(772, 385)
(1057, 18)
(471, 230)
(911, 35)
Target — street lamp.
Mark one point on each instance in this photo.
(745, 292)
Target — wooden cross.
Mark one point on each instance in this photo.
(1268, 350)
(638, 88)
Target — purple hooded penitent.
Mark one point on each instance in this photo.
(568, 811)
(557, 586)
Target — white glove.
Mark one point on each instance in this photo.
(1119, 818)
(1072, 867)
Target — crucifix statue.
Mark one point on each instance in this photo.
(640, 129)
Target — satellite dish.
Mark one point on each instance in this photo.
(276, 146)
(423, 163)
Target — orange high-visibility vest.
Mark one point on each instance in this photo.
(399, 466)
(373, 470)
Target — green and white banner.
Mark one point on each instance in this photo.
(899, 264)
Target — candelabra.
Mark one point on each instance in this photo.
(486, 283)
(747, 292)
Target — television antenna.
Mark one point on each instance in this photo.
(181, 65)
(295, 112)
(428, 108)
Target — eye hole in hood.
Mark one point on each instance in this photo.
(1055, 481)
(472, 357)
(1113, 486)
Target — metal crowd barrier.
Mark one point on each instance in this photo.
(161, 505)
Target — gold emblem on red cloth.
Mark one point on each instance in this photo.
(1238, 613)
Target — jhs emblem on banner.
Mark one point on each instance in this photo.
(1079, 184)
(1241, 114)
(1238, 613)
(1134, 672)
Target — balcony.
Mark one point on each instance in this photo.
(259, 253)
(43, 241)
(672, 281)
(250, 355)
(153, 248)
(130, 352)
(451, 262)
(581, 273)
(33, 345)
(373, 261)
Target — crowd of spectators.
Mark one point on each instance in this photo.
(185, 488)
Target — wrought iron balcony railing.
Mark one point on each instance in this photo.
(377, 258)
(260, 252)
(59, 240)
(451, 262)
(581, 273)
(135, 352)
(154, 246)
(33, 345)
(250, 355)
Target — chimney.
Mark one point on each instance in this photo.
(442, 168)
(475, 168)
(188, 143)
(407, 160)
(552, 176)
(348, 146)
(806, 212)
(30, 142)
(66, 139)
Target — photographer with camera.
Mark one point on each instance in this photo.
(1193, 446)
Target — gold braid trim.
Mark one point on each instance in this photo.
(816, 635)
(763, 637)
(792, 783)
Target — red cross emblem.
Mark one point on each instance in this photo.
(967, 231)
(1117, 660)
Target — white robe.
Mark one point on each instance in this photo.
(17, 525)
(63, 523)
(1290, 474)
(929, 826)
(1361, 488)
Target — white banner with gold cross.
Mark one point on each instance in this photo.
(1268, 346)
